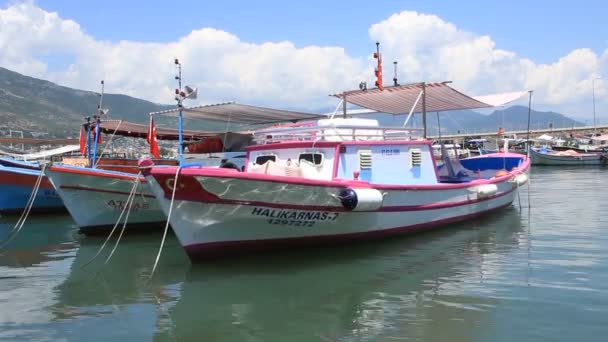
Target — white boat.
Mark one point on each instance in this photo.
(334, 181)
(568, 157)
(95, 198)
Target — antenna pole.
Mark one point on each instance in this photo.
(424, 110)
(529, 114)
(395, 74)
(100, 104)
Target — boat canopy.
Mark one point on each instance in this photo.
(229, 140)
(241, 113)
(439, 97)
(130, 129)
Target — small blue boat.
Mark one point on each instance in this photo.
(16, 187)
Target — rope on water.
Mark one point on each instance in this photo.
(179, 168)
(26, 211)
(131, 194)
(529, 203)
(518, 195)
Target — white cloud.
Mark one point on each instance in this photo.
(281, 74)
(429, 48)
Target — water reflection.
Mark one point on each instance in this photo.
(31, 266)
(42, 239)
(363, 292)
(508, 276)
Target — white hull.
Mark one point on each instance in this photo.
(238, 214)
(95, 199)
(552, 159)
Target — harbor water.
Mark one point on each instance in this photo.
(535, 273)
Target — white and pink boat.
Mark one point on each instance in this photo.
(334, 181)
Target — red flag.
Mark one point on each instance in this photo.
(378, 71)
(151, 139)
(83, 142)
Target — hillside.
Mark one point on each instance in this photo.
(35, 105)
(511, 118)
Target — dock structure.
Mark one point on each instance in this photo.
(522, 133)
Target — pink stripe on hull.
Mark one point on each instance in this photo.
(233, 248)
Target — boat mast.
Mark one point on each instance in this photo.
(188, 92)
(180, 124)
(97, 117)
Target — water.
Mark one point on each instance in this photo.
(540, 275)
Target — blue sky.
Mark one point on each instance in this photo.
(540, 30)
(301, 51)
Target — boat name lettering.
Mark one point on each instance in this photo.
(390, 151)
(49, 193)
(292, 215)
(120, 205)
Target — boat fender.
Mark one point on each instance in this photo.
(145, 165)
(486, 190)
(361, 199)
(520, 179)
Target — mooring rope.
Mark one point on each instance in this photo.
(131, 194)
(162, 243)
(26, 211)
(129, 204)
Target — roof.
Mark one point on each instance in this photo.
(34, 141)
(46, 153)
(241, 113)
(439, 97)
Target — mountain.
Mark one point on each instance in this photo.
(464, 121)
(35, 105)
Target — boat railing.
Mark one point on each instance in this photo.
(335, 133)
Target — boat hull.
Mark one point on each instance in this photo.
(216, 214)
(95, 199)
(539, 158)
(16, 186)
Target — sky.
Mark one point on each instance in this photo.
(293, 54)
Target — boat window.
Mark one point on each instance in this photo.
(365, 159)
(416, 156)
(313, 158)
(261, 160)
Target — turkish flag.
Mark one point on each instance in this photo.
(151, 138)
(83, 142)
(378, 71)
